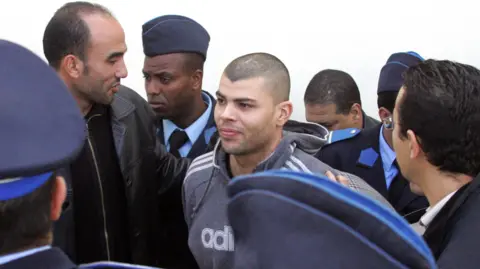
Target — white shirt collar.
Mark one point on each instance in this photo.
(431, 212)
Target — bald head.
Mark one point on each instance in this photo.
(262, 65)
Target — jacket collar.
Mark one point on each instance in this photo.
(121, 107)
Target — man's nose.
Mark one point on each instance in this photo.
(122, 71)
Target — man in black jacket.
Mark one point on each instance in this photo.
(436, 137)
(111, 211)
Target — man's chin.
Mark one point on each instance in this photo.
(233, 150)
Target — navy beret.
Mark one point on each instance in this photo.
(391, 79)
(42, 126)
(286, 219)
(172, 34)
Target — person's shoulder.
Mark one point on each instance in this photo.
(127, 99)
(130, 95)
(339, 140)
(200, 170)
(339, 136)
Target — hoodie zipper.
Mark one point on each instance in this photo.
(105, 232)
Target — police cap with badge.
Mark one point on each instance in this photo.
(174, 34)
(284, 219)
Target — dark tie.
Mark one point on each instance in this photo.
(176, 141)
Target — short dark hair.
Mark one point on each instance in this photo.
(25, 221)
(441, 105)
(387, 100)
(261, 65)
(193, 62)
(67, 33)
(331, 86)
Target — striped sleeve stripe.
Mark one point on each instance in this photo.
(300, 164)
(202, 159)
(198, 168)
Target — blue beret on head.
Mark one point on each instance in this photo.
(172, 34)
(391, 79)
(42, 126)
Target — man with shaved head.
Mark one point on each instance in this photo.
(252, 110)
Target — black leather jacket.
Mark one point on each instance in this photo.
(148, 170)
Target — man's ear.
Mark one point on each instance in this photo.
(72, 66)
(384, 113)
(414, 145)
(197, 77)
(356, 112)
(285, 110)
(59, 194)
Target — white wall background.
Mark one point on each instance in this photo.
(356, 36)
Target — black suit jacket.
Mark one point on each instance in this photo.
(52, 258)
(344, 155)
(453, 235)
(177, 254)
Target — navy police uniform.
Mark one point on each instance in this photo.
(42, 129)
(178, 34)
(285, 219)
(360, 151)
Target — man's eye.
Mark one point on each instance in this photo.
(244, 105)
(165, 80)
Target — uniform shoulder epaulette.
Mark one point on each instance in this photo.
(343, 134)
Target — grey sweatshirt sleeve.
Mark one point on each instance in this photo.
(354, 182)
(359, 185)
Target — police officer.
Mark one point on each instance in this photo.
(332, 99)
(175, 50)
(369, 153)
(42, 129)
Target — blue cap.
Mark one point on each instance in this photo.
(317, 217)
(391, 79)
(42, 127)
(173, 34)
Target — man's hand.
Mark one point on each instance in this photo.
(339, 179)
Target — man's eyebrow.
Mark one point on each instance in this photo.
(115, 55)
(219, 94)
(238, 100)
(157, 73)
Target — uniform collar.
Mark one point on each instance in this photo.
(195, 129)
(387, 153)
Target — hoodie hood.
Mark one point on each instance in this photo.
(308, 137)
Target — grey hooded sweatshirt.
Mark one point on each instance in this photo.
(205, 196)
